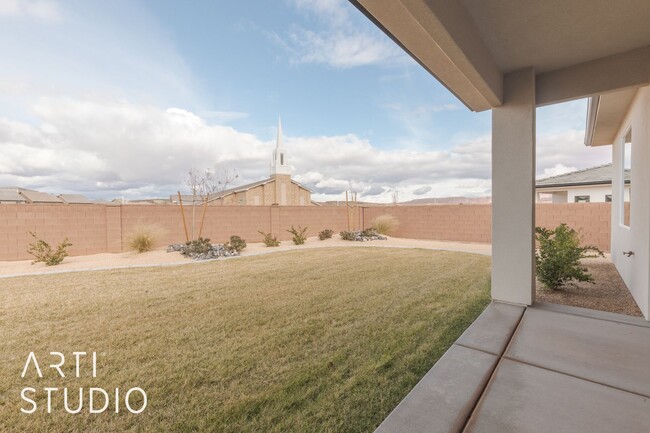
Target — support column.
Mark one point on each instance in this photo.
(513, 190)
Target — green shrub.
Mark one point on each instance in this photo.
(197, 246)
(299, 237)
(143, 238)
(369, 232)
(557, 258)
(348, 236)
(269, 240)
(325, 234)
(42, 251)
(384, 224)
(236, 244)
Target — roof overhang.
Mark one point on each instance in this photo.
(578, 49)
(605, 116)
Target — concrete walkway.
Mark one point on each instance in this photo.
(547, 368)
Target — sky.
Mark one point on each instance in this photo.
(123, 98)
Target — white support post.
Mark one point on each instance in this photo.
(513, 191)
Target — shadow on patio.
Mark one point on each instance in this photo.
(546, 368)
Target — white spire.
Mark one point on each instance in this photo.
(279, 163)
(278, 144)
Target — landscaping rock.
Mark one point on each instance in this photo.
(362, 236)
(214, 251)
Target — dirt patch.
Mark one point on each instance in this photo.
(609, 293)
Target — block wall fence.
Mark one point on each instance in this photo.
(94, 228)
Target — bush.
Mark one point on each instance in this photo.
(269, 240)
(385, 224)
(197, 246)
(42, 251)
(236, 244)
(143, 238)
(325, 234)
(348, 236)
(299, 237)
(557, 259)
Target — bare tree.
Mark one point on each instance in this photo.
(395, 196)
(207, 185)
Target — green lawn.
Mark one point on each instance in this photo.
(324, 340)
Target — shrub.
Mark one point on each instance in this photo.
(325, 234)
(557, 259)
(348, 236)
(269, 240)
(143, 238)
(385, 224)
(298, 235)
(236, 244)
(197, 246)
(42, 251)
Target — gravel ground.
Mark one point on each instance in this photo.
(160, 257)
(609, 292)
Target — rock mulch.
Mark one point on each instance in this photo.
(609, 293)
(214, 252)
(362, 236)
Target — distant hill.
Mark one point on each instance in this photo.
(449, 200)
(420, 201)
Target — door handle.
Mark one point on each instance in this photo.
(628, 253)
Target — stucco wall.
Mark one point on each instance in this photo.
(98, 228)
(634, 270)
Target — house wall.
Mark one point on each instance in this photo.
(567, 195)
(98, 228)
(634, 270)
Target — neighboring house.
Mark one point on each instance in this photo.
(24, 195)
(15, 195)
(74, 199)
(278, 189)
(583, 186)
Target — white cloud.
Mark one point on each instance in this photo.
(422, 190)
(557, 170)
(46, 10)
(339, 42)
(111, 148)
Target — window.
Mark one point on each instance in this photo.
(608, 198)
(581, 199)
(282, 159)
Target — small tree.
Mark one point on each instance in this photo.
(558, 255)
(203, 185)
(299, 236)
(43, 252)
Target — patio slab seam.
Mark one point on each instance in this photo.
(492, 374)
(509, 358)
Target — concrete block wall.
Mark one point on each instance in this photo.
(99, 229)
(85, 226)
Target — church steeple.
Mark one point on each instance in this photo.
(279, 164)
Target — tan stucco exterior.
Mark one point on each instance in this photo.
(278, 190)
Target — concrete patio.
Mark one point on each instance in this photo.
(545, 368)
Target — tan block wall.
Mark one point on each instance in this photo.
(85, 226)
(97, 228)
(472, 223)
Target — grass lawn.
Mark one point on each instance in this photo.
(324, 340)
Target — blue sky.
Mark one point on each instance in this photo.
(121, 98)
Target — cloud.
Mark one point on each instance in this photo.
(45, 10)
(224, 116)
(109, 148)
(557, 170)
(340, 41)
(422, 190)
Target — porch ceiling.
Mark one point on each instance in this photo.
(578, 48)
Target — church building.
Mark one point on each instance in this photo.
(278, 189)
